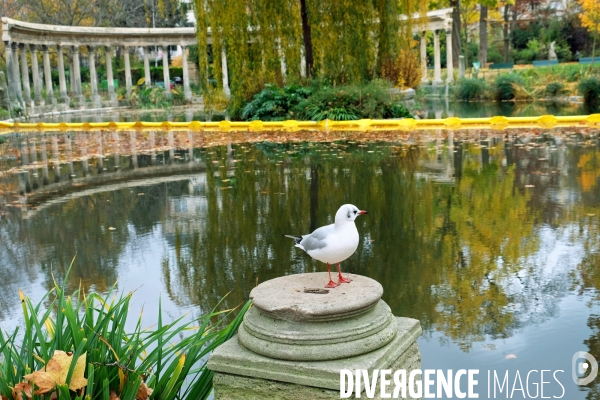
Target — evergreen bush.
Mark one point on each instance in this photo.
(274, 103)
(504, 86)
(351, 103)
(470, 89)
(554, 89)
(589, 88)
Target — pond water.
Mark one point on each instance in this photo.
(436, 109)
(489, 238)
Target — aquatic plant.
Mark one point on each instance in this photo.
(77, 347)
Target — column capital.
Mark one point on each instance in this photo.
(6, 43)
(423, 34)
(23, 46)
(45, 48)
(14, 45)
(437, 32)
(34, 47)
(449, 31)
(75, 49)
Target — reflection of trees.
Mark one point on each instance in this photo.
(493, 231)
(581, 220)
(436, 248)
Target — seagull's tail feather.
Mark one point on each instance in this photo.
(296, 238)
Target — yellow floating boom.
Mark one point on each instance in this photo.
(407, 124)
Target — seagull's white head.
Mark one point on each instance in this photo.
(348, 212)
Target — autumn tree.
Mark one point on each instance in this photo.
(341, 41)
(116, 13)
(590, 19)
(11, 9)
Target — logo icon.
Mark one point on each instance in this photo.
(579, 368)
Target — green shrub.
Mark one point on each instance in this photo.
(169, 358)
(350, 103)
(495, 55)
(504, 86)
(555, 89)
(274, 103)
(589, 88)
(470, 89)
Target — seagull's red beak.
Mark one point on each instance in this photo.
(361, 212)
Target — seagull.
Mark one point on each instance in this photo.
(333, 243)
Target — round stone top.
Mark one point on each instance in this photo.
(303, 297)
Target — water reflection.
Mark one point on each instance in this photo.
(478, 235)
(444, 108)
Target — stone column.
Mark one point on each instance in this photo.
(424, 57)
(12, 91)
(71, 77)
(295, 342)
(48, 76)
(437, 66)
(461, 67)
(187, 93)
(79, 98)
(109, 77)
(127, 70)
(148, 80)
(62, 82)
(25, 75)
(35, 74)
(16, 71)
(95, 98)
(225, 73)
(449, 65)
(165, 62)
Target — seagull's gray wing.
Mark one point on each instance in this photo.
(316, 240)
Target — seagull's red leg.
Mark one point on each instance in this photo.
(331, 283)
(341, 279)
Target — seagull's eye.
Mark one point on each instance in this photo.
(355, 211)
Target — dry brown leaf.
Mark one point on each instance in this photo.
(56, 371)
(143, 392)
(19, 389)
(113, 395)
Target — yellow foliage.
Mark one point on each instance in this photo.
(590, 17)
(215, 100)
(590, 173)
(55, 373)
(345, 47)
(177, 61)
(405, 72)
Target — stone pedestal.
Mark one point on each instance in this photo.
(298, 336)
